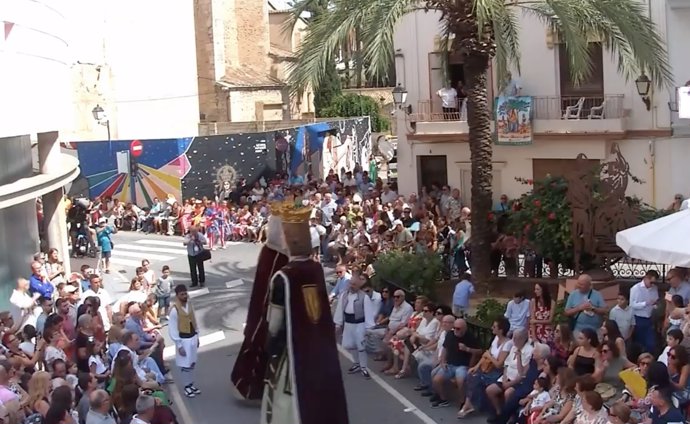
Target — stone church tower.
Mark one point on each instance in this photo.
(237, 76)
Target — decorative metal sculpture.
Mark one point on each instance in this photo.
(597, 219)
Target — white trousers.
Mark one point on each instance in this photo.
(354, 342)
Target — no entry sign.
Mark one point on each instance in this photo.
(136, 148)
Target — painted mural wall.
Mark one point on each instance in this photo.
(195, 166)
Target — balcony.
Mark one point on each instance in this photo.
(552, 116)
(555, 115)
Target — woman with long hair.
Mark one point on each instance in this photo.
(39, 393)
(611, 332)
(562, 344)
(541, 314)
(585, 358)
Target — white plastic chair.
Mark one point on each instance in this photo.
(597, 112)
(573, 112)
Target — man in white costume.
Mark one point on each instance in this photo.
(354, 314)
(184, 333)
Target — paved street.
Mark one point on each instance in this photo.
(221, 311)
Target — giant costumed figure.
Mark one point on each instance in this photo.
(304, 384)
(249, 372)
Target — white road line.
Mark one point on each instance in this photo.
(208, 339)
(142, 248)
(197, 293)
(180, 406)
(160, 242)
(149, 256)
(409, 406)
(125, 262)
(234, 283)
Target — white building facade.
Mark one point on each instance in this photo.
(433, 147)
(35, 106)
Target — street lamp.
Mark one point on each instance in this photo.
(100, 116)
(643, 84)
(400, 98)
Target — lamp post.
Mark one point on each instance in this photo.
(400, 98)
(643, 84)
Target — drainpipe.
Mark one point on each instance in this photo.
(652, 158)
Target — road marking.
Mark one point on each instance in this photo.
(125, 262)
(197, 293)
(208, 339)
(234, 283)
(149, 256)
(141, 248)
(409, 406)
(160, 242)
(180, 406)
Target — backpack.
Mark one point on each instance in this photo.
(34, 418)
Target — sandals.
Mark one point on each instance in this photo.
(401, 375)
(391, 371)
(463, 413)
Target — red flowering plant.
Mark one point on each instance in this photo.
(543, 217)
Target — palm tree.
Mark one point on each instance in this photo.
(485, 31)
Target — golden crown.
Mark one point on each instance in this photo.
(293, 213)
(276, 208)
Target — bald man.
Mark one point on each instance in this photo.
(585, 306)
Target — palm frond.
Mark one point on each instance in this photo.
(507, 39)
(325, 36)
(378, 29)
(633, 40)
(298, 9)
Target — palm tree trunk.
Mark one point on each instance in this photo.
(479, 122)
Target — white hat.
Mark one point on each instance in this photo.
(397, 222)
(102, 220)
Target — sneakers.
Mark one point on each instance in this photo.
(420, 388)
(354, 369)
(191, 391)
(440, 404)
(366, 374)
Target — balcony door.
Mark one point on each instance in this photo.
(591, 88)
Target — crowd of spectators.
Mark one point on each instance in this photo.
(70, 353)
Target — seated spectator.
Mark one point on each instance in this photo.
(378, 337)
(459, 348)
(662, 409)
(489, 368)
(679, 370)
(657, 378)
(146, 408)
(396, 344)
(610, 331)
(535, 401)
(593, 411)
(584, 383)
(674, 337)
(586, 356)
(39, 393)
(619, 413)
(514, 369)
(100, 406)
(610, 365)
(429, 356)
(559, 407)
(86, 386)
(563, 344)
(425, 334)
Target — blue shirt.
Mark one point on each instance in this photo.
(462, 293)
(517, 314)
(682, 290)
(673, 415)
(584, 320)
(145, 339)
(103, 237)
(341, 285)
(44, 288)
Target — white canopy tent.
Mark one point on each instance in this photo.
(665, 240)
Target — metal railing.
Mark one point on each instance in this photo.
(557, 107)
(432, 111)
(609, 106)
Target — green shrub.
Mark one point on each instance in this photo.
(415, 273)
(353, 105)
(489, 310)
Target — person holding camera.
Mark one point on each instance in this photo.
(195, 242)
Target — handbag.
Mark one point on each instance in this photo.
(204, 255)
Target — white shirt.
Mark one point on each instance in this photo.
(21, 304)
(98, 361)
(640, 296)
(106, 301)
(400, 315)
(316, 231)
(496, 349)
(663, 358)
(376, 300)
(540, 400)
(439, 345)
(428, 329)
(511, 369)
(389, 197)
(369, 312)
(449, 97)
